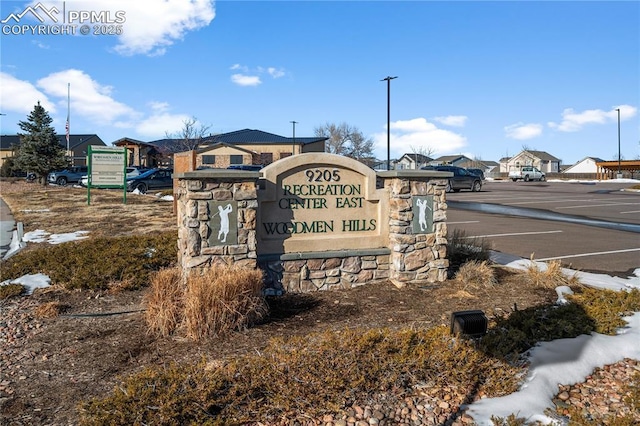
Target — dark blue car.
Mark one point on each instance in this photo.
(150, 180)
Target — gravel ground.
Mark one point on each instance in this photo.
(601, 394)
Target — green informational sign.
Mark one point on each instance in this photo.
(223, 223)
(107, 169)
(423, 215)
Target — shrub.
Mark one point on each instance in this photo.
(310, 375)
(463, 249)
(477, 275)
(221, 299)
(606, 307)
(164, 301)
(213, 302)
(11, 290)
(520, 331)
(97, 262)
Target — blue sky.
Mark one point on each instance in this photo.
(483, 79)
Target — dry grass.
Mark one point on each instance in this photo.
(213, 302)
(64, 209)
(222, 299)
(49, 310)
(477, 275)
(164, 302)
(550, 275)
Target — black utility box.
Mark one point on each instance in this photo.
(469, 323)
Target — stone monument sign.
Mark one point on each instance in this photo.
(319, 202)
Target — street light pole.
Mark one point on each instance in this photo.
(388, 80)
(293, 148)
(618, 109)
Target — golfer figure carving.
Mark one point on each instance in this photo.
(224, 222)
(423, 205)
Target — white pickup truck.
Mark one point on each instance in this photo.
(526, 173)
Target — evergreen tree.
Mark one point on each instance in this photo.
(39, 150)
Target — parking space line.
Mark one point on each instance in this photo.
(598, 205)
(597, 253)
(550, 201)
(515, 234)
(633, 211)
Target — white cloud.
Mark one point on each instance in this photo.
(159, 106)
(574, 121)
(275, 73)
(93, 105)
(89, 99)
(158, 125)
(242, 68)
(452, 120)
(40, 44)
(246, 80)
(523, 131)
(415, 134)
(21, 96)
(149, 27)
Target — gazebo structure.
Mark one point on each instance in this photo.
(609, 169)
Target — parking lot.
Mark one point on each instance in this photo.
(588, 241)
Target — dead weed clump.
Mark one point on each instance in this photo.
(221, 299)
(213, 301)
(164, 302)
(477, 275)
(548, 276)
(49, 310)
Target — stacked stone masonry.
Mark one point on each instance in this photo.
(409, 257)
(193, 222)
(416, 257)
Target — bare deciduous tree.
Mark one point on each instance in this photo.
(191, 134)
(420, 152)
(346, 140)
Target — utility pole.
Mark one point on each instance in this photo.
(293, 148)
(388, 80)
(619, 155)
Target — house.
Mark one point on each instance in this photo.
(490, 168)
(451, 160)
(381, 165)
(586, 165)
(78, 146)
(245, 146)
(412, 161)
(539, 159)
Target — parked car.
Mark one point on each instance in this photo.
(461, 179)
(69, 175)
(477, 172)
(131, 172)
(526, 173)
(249, 167)
(151, 179)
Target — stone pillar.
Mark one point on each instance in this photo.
(416, 256)
(198, 193)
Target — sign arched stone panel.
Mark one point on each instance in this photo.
(320, 202)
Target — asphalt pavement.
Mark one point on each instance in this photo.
(589, 226)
